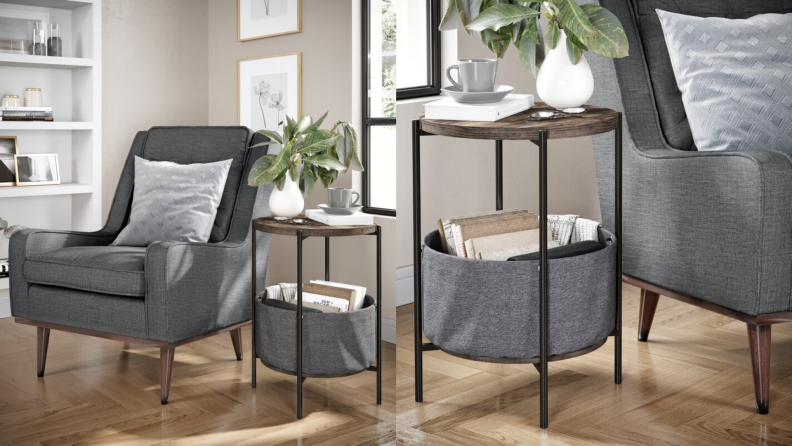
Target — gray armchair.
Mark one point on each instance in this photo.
(713, 229)
(165, 295)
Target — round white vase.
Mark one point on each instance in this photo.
(559, 83)
(289, 202)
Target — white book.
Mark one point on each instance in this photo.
(451, 110)
(341, 304)
(358, 218)
(27, 109)
(360, 291)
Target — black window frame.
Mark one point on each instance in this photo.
(432, 54)
(368, 121)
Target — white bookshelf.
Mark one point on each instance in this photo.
(71, 85)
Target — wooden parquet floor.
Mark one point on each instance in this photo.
(100, 392)
(691, 384)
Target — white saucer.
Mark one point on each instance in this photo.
(479, 97)
(339, 211)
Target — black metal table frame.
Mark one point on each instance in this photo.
(421, 347)
(300, 237)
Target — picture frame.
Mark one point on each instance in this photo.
(37, 169)
(259, 19)
(15, 28)
(8, 150)
(268, 89)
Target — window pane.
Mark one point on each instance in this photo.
(382, 166)
(382, 59)
(412, 44)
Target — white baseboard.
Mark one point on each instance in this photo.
(5, 307)
(389, 330)
(404, 285)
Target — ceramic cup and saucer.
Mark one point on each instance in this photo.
(477, 86)
(341, 202)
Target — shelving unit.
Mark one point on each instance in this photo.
(71, 85)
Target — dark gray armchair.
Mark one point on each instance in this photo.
(165, 295)
(713, 229)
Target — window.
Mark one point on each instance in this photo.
(378, 136)
(418, 48)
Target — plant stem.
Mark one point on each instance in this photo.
(262, 112)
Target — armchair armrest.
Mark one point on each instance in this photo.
(28, 242)
(195, 288)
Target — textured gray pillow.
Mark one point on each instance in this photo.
(735, 77)
(173, 202)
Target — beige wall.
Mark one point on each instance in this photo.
(154, 73)
(458, 176)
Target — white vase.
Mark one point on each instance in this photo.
(561, 84)
(289, 202)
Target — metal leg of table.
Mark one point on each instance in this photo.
(379, 314)
(327, 259)
(543, 300)
(299, 324)
(498, 175)
(618, 223)
(418, 296)
(253, 355)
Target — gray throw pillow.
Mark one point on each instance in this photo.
(173, 202)
(735, 77)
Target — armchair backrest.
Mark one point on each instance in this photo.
(188, 145)
(646, 76)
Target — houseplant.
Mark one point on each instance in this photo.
(308, 154)
(563, 78)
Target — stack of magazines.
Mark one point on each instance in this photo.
(327, 297)
(26, 114)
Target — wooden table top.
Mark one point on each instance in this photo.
(310, 228)
(518, 127)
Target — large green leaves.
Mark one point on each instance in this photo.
(574, 49)
(573, 18)
(609, 38)
(451, 20)
(258, 175)
(552, 35)
(319, 141)
(273, 136)
(325, 161)
(308, 181)
(500, 15)
(460, 12)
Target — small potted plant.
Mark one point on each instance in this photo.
(564, 78)
(308, 154)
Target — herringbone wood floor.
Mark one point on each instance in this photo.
(97, 391)
(690, 384)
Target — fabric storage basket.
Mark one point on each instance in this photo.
(490, 309)
(334, 344)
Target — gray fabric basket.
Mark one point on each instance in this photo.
(490, 309)
(334, 344)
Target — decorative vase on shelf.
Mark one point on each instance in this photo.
(289, 202)
(560, 84)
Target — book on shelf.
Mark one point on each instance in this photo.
(25, 109)
(26, 114)
(503, 246)
(360, 292)
(331, 291)
(336, 302)
(26, 118)
(448, 109)
(446, 233)
(321, 307)
(500, 224)
(357, 218)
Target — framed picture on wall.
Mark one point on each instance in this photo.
(269, 89)
(266, 18)
(8, 148)
(38, 169)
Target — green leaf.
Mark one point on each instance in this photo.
(265, 143)
(280, 163)
(552, 34)
(315, 126)
(307, 181)
(354, 159)
(527, 49)
(293, 172)
(257, 176)
(609, 38)
(496, 41)
(451, 20)
(500, 15)
(303, 124)
(532, 27)
(326, 161)
(318, 142)
(272, 135)
(280, 181)
(573, 50)
(573, 18)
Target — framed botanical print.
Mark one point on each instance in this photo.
(266, 18)
(269, 89)
(8, 148)
(38, 169)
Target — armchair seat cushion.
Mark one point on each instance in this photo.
(117, 270)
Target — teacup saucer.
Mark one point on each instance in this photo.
(339, 211)
(479, 97)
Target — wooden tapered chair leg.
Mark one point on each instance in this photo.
(42, 343)
(648, 308)
(759, 338)
(166, 369)
(236, 339)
